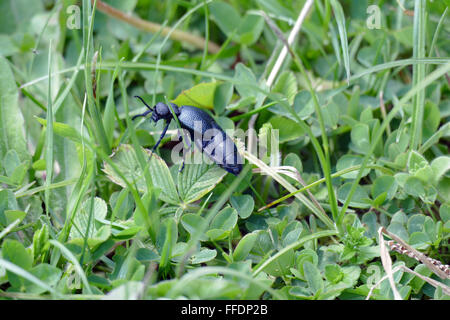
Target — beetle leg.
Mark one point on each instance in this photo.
(187, 141)
(160, 138)
(182, 165)
(186, 146)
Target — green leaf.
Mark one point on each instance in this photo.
(12, 135)
(281, 265)
(331, 114)
(7, 46)
(13, 22)
(225, 16)
(333, 273)
(419, 240)
(167, 238)
(443, 188)
(415, 162)
(370, 220)
(191, 222)
(10, 162)
(384, 184)
(128, 233)
(7, 201)
(15, 252)
(217, 234)
(286, 84)
(313, 277)
(415, 223)
(417, 283)
(430, 229)
(39, 165)
(440, 166)
(226, 219)
(200, 95)
(126, 160)
(351, 275)
(288, 129)
(126, 291)
(277, 8)
(146, 255)
(400, 217)
(13, 215)
(204, 255)
(399, 230)
(244, 77)
(20, 172)
(196, 180)
(414, 187)
(303, 104)
(250, 28)
(63, 130)
(360, 136)
(109, 120)
(40, 241)
(122, 204)
(293, 160)
(47, 274)
(348, 161)
(225, 123)
(306, 255)
(243, 204)
(244, 246)
(360, 198)
(431, 119)
(444, 212)
(86, 226)
(301, 292)
(291, 236)
(222, 96)
(379, 200)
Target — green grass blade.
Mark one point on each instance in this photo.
(200, 272)
(49, 153)
(419, 32)
(340, 20)
(88, 22)
(70, 257)
(26, 275)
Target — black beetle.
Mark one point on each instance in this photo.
(201, 126)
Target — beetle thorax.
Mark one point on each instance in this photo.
(162, 111)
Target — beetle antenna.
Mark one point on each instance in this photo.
(141, 115)
(140, 98)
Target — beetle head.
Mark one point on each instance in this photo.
(159, 111)
(162, 111)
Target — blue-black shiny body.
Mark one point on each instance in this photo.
(207, 135)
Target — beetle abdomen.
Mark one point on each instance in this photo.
(210, 138)
(192, 118)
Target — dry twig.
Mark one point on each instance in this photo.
(178, 35)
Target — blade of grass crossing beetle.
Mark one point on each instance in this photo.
(49, 136)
